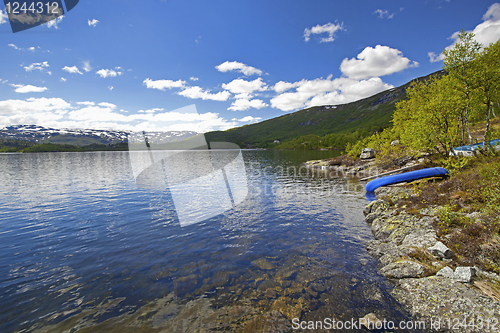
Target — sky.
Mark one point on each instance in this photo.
(161, 65)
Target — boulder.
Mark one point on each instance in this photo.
(446, 272)
(403, 269)
(441, 250)
(367, 153)
(420, 238)
(464, 274)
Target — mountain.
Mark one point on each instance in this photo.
(84, 137)
(371, 112)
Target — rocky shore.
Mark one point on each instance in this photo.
(428, 279)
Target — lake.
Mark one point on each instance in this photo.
(84, 248)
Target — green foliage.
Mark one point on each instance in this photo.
(488, 193)
(380, 141)
(456, 163)
(51, 147)
(437, 113)
(427, 120)
(449, 216)
(9, 145)
(31, 147)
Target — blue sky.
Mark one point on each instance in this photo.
(134, 65)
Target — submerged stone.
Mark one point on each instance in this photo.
(263, 264)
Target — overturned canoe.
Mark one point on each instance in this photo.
(405, 177)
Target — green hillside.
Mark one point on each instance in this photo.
(372, 112)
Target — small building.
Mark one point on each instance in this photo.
(277, 141)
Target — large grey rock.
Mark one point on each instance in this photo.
(464, 274)
(395, 254)
(367, 153)
(420, 238)
(446, 272)
(441, 250)
(435, 297)
(402, 269)
(396, 228)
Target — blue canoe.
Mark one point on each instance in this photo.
(405, 177)
(481, 144)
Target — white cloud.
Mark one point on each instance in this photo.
(104, 73)
(485, 33)
(107, 105)
(329, 28)
(230, 66)
(242, 104)
(240, 86)
(72, 70)
(327, 92)
(383, 13)
(3, 17)
(283, 86)
(163, 84)
(85, 103)
(20, 88)
(247, 119)
(86, 66)
(493, 13)
(54, 22)
(39, 66)
(93, 23)
(243, 90)
(34, 105)
(489, 31)
(198, 93)
(192, 78)
(63, 79)
(101, 113)
(433, 57)
(111, 88)
(153, 110)
(31, 48)
(373, 62)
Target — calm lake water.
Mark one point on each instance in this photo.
(83, 248)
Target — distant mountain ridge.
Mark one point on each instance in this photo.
(83, 137)
(373, 111)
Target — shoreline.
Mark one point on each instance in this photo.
(412, 255)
